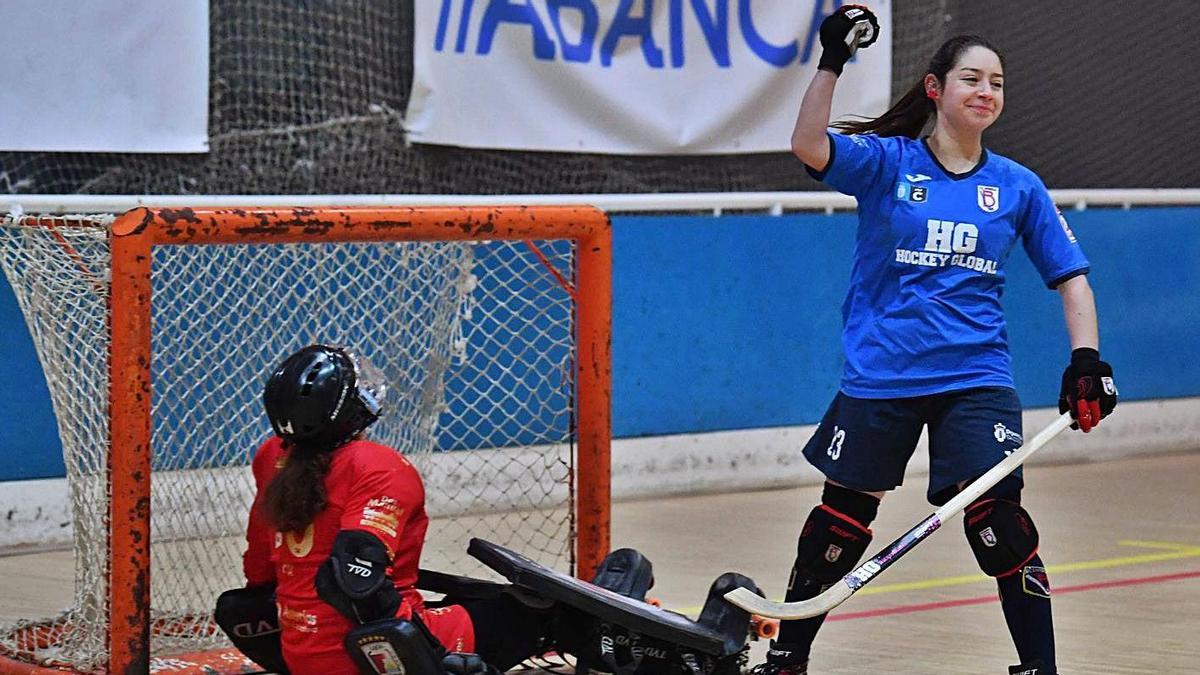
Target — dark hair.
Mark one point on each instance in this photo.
(297, 494)
(910, 114)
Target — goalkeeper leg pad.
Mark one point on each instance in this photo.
(250, 619)
(625, 572)
(728, 620)
(394, 647)
(1001, 535)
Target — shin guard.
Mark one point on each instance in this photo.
(833, 540)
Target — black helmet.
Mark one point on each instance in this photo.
(322, 395)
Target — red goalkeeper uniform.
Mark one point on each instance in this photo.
(371, 488)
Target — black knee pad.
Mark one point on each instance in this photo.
(250, 619)
(831, 544)
(1001, 535)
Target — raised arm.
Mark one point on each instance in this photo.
(809, 141)
(847, 29)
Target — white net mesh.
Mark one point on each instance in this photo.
(475, 338)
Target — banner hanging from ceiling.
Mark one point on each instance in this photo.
(628, 76)
(105, 76)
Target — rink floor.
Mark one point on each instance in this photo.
(1121, 541)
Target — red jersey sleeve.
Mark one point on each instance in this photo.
(256, 561)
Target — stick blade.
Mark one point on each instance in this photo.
(805, 609)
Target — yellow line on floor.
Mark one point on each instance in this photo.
(1172, 551)
(1176, 552)
(1159, 544)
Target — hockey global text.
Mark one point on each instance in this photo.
(589, 31)
(949, 244)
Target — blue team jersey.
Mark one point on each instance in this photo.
(923, 313)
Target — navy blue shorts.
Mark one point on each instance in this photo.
(865, 444)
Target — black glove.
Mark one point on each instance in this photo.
(849, 28)
(1088, 391)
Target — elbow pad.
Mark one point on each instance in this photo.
(355, 579)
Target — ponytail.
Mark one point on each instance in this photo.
(907, 117)
(297, 494)
(911, 113)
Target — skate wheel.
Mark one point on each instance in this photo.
(764, 628)
(654, 601)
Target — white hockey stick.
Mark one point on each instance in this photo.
(864, 573)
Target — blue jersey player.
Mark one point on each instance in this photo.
(924, 335)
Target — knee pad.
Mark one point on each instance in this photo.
(250, 619)
(1001, 534)
(395, 647)
(831, 544)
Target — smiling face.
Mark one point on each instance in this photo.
(972, 96)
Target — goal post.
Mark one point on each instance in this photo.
(516, 364)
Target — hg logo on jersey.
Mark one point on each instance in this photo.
(911, 193)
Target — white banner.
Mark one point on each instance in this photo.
(105, 75)
(628, 76)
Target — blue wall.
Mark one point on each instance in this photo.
(733, 323)
(29, 446)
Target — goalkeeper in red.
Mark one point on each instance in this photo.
(337, 527)
(924, 335)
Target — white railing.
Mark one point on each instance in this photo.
(774, 203)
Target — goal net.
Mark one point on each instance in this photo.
(472, 314)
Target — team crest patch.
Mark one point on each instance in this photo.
(833, 553)
(1002, 433)
(1109, 387)
(383, 658)
(988, 536)
(989, 198)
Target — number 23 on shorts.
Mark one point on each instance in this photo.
(835, 444)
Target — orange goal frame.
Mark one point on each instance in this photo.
(135, 233)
